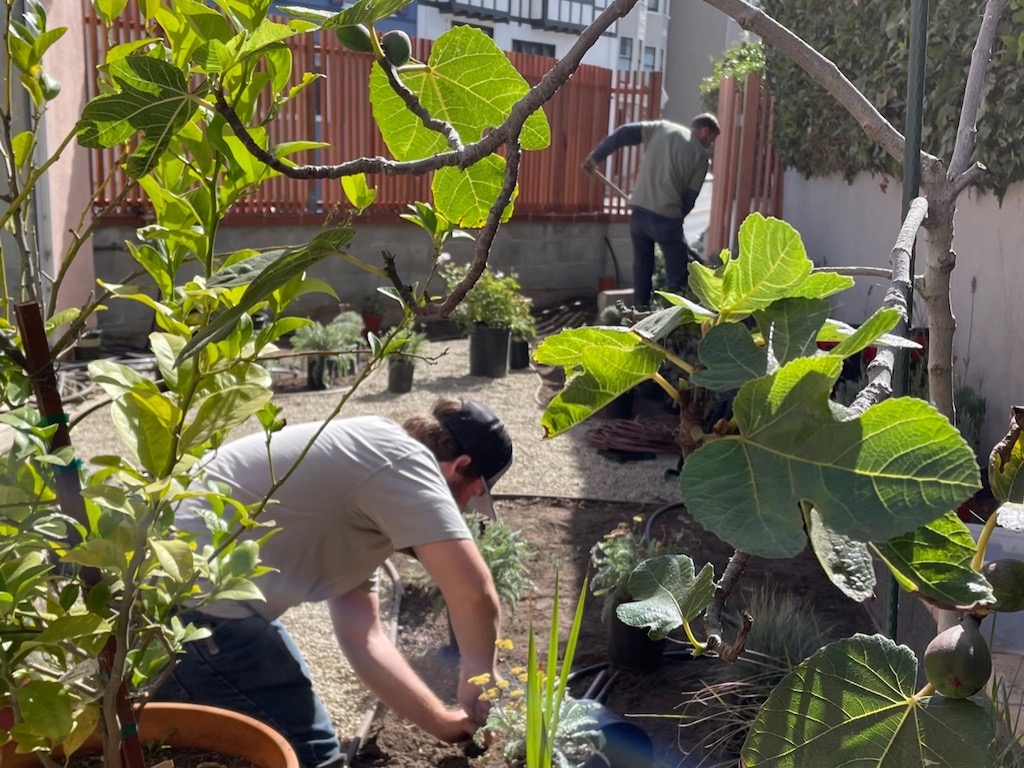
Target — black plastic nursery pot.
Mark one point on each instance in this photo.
(518, 354)
(400, 374)
(631, 648)
(320, 372)
(488, 352)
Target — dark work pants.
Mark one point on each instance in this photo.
(646, 229)
(253, 666)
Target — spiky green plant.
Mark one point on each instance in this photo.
(784, 633)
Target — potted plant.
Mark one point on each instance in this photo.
(613, 560)
(371, 308)
(490, 310)
(402, 363)
(327, 343)
(523, 330)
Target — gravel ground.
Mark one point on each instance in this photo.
(564, 467)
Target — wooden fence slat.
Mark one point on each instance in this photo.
(337, 111)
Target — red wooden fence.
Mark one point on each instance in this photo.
(337, 110)
(747, 174)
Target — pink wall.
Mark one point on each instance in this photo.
(69, 182)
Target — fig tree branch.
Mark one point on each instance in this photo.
(412, 103)
(966, 132)
(713, 616)
(897, 297)
(472, 153)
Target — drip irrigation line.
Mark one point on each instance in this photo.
(371, 709)
(595, 685)
(655, 515)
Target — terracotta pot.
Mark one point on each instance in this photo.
(197, 726)
(372, 323)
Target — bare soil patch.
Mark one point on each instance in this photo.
(562, 532)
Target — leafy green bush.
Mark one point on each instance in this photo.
(868, 42)
(739, 61)
(343, 332)
(496, 301)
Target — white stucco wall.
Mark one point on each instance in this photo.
(857, 224)
(696, 33)
(431, 24)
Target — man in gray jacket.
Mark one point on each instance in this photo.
(367, 487)
(672, 171)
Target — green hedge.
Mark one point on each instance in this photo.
(868, 42)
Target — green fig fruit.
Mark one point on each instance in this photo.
(356, 38)
(958, 662)
(1007, 579)
(397, 47)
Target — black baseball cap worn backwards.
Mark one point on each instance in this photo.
(480, 434)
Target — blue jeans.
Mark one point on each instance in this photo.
(646, 229)
(253, 666)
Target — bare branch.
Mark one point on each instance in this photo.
(880, 369)
(823, 72)
(713, 616)
(412, 103)
(966, 131)
(882, 272)
(968, 177)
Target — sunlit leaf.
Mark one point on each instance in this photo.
(666, 592)
(934, 561)
(894, 468)
(853, 704)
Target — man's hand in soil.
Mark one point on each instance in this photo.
(456, 727)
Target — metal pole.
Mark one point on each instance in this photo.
(911, 189)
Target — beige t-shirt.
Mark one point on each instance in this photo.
(364, 490)
(673, 161)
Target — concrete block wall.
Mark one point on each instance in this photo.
(554, 261)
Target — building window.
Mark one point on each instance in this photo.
(649, 53)
(654, 6)
(625, 52)
(537, 49)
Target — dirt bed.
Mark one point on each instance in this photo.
(562, 532)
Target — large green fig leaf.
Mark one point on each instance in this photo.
(361, 12)
(667, 593)
(600, 364)
(853, 704)
(772, 264)
(154, 100)
(468, 83)
(873, 477)
(790, 327)
(1007, 460)
(658, 325)
(836, 330)
(730, 358)
(846, 562)
(465, 196)
(934, 562)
